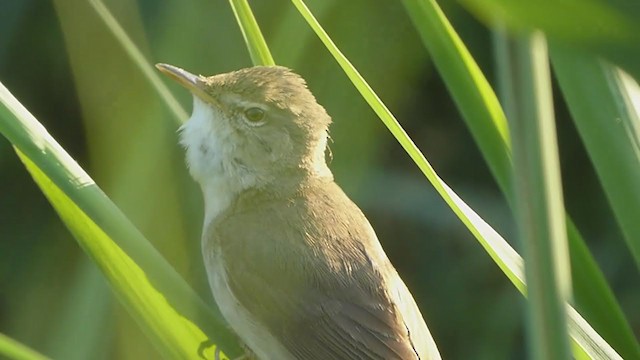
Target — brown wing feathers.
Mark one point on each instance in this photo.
(330, 311)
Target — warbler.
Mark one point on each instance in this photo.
(293, 264)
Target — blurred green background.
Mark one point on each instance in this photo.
(59, 59)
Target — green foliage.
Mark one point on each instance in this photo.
(604, 106)
(468, 86)
(128, 144)
(12, 349)
(607, 122)
(155, 295)
(483, 115)
(606, 27)
(260, 54)
(539, 200)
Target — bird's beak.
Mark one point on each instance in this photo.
(190, 81)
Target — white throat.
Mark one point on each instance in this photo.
(212, 152)
(206, 138)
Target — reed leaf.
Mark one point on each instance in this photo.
(166, 308)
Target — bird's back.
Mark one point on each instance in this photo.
(315, 278)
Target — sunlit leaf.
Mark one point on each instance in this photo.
(13, 350)
(162, 303)
(260, 54)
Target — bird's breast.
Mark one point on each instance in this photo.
(218, 194)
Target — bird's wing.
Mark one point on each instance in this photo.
(312, 321)
(322, 295)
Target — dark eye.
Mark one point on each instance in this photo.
(254, 114)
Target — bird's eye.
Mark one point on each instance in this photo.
(254, 115)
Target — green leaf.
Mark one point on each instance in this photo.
(173, 335)
(539, 200)
(477, 103)
(12, 349)
(607, 28)
(600, 99)
(258, 49)
(166, 308)
(586, 339)
(604, 105)
(600, 307)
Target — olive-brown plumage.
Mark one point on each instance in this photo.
(293, 264)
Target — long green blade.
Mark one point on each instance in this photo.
(604, 105)
(164, 305)
(12, 349)
(597, 96)
(174, 336)
(258, 49)
(539, 200)
(607, 28)
(477, 101)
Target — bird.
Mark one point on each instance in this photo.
(293, 264)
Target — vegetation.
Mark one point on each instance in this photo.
(91, 83)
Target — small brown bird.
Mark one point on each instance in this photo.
(294, 266)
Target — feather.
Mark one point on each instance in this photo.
(316, 279)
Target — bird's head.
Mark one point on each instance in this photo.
(253, 126)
